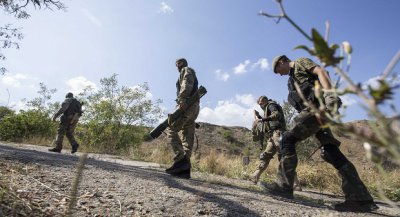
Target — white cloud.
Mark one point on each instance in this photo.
(348, 100)
(373, 82)
(15, 80)
(262, 63)
(224, 76)
(78, 84)
(93, 19)
(241, 68)
(166, 9)
(19, 105)
(246, 99)
(234, 112)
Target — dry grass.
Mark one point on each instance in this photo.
(314, 174)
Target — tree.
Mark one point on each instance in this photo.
(115, 116)
(9, 35)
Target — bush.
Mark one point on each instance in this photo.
(26, 124)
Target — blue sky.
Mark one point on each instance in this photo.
(226, 42)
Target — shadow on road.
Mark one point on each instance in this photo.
(232, 208)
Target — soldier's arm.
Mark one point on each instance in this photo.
(64, 107)
(186, 86)
(274, 116)
(323, 77)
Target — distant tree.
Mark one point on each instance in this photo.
(9, 35)
(115, 116)
(5, 111)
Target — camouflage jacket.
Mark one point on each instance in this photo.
(302, 74)
(277, 119)
(186, 85)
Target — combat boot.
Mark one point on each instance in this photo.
(179, 166)
(277, 190)
(285, 177)
(357, 197)
(356, 206)
(74, 148)
(256, 176)
(55, 150)
(184, 174)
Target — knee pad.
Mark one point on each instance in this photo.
(288, 143)
(333, 155)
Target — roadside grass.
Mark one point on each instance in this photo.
(314, 174)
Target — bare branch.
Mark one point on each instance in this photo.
(284, 15)
(391, 65)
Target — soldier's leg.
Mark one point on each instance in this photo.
(265, 158)
(71, 138)
(357, 197)
(58, 142)
(305, 125)
(189, 127)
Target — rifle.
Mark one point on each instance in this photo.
(257, 114)
(156, 132)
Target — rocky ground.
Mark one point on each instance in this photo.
(35, 182)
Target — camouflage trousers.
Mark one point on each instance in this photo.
(181, 133)
(272, 147)
(66, 127)
(305, 125)
(272, 139)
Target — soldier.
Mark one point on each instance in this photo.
(305, 73)
(186, 86)
(270, 129)
(71, 110)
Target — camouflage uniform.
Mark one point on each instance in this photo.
(182, 145)
(305, 125)
(273, 130)
(71, 111)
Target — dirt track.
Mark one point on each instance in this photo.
(116, 187)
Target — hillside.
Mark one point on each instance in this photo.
(237, 140)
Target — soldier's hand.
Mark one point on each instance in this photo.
(332, 102)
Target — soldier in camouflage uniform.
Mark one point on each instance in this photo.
(186, 86)
(71, 110)
(271, 128)
(305, 73)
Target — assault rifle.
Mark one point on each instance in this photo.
(257, 114)
(156, 132)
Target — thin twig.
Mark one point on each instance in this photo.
(391, 65)
(60, 194)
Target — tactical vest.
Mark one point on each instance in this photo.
(195, 85)
(74, 107)
(277, 124)
(307, 88)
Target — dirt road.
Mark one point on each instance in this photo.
(115, 187)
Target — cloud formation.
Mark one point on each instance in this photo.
(17, 80)
(166, 9)
(78, 84)
(242, 68)
(233, 112)
(223, 76)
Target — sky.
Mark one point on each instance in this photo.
(226, 42)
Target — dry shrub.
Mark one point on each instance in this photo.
(162, 154)
(319, 175)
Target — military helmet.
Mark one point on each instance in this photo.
(182, 60)
(69, 95)
(275, 61)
